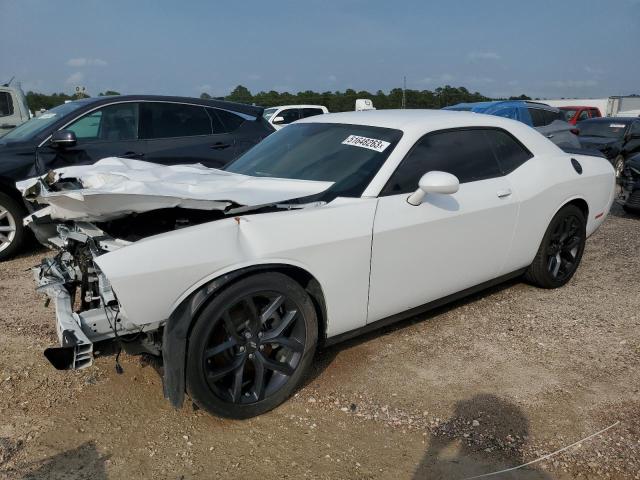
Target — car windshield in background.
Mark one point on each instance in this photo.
(569, 114)
(610, 129)
(36, 125)
(268, 113)
(348, 155)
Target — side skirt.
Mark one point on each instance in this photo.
(370, 327)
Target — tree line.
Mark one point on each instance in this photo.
(337, 101)
(39, 101)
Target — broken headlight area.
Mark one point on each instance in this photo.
(629, 184)
(89, 319)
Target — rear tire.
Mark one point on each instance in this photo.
(12, 232)
(560, 251)
(252, 346)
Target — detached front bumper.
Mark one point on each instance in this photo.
(75, 350)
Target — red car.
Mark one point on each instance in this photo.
(577, 114)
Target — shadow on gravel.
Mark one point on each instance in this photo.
(496, 431)
(618, 211)
(84, 462)
(326, 355)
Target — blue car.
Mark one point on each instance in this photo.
(549, 121)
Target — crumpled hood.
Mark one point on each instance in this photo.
(116, 187)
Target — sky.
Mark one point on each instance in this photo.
(543, 48)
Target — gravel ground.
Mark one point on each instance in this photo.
(488, 383)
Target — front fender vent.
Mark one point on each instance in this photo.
(576, 165)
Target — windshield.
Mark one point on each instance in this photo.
(610, 129)
(569, 114)
(348, 155)
(268, 113)
(38, 124)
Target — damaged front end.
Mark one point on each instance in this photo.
(629, 185)
(86, 212)
(89, 319)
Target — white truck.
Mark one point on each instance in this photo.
(615, 106)
(13, 107)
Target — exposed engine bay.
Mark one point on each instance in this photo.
(87, 211)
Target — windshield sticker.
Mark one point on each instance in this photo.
(364, 142)
(44, 116)
(617, 125)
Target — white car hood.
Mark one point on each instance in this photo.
(116, 187)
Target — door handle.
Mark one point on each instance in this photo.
(550, 135)
(504, 193)
(220, 146)
(133, 155)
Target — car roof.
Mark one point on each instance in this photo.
(412, 118)
(299, 106)
(575, 107)
(480, 106)
(222, 104)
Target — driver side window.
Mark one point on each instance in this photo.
(467, 154)
(112, 123)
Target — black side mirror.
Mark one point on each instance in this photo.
(63, 139)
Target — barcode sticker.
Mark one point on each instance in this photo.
(365, 142)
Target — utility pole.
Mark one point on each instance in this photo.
(404, 93)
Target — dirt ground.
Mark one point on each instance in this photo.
(488, 383)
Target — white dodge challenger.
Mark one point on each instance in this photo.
(336, 225)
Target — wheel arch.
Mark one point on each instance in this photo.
(8, 187)
(579, 202)
(180, 322)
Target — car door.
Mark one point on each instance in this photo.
(449, 242)
(631, 140)
(109, 131)
(179, 133)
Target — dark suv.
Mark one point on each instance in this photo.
(616, 137)
(165, 130)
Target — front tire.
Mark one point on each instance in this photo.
(12, 232)
(251, 346)
(561, 249)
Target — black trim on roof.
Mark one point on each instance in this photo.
(223, 104)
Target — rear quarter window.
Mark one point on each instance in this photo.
(537, 117)
(230, 120)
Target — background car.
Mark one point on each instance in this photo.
(13, 107)
(278, 117)
(165, 130)
(629, 193)
(617, 138)
(339, 224)
(574, 115)
(549, 121)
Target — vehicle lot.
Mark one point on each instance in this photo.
(536, 370)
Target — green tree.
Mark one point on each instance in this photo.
(108, 93)
(240, 94)
(205, 96)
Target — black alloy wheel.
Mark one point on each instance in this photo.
(251, 346)
(561, 249)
